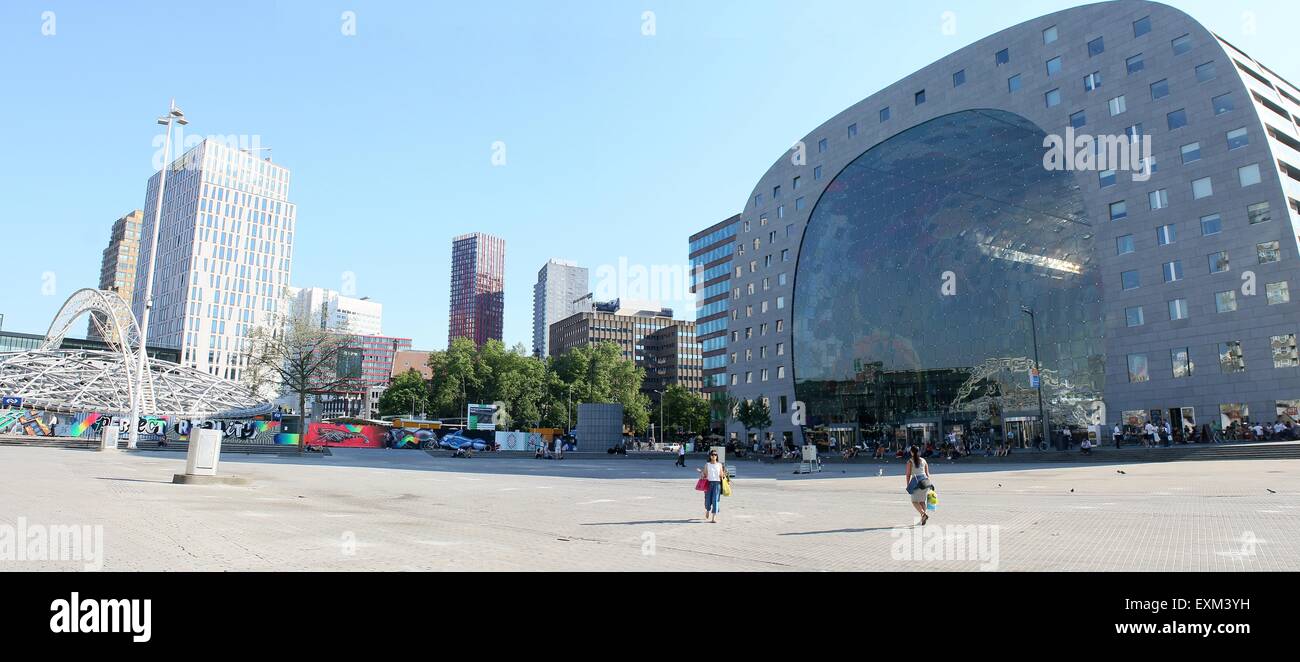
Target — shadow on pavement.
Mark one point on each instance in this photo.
(819, 533)
(646, 522)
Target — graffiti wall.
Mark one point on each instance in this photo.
(345, 436)
(410, 437)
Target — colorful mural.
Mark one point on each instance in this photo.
(345, 436)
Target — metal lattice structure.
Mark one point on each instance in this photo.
(64, 380)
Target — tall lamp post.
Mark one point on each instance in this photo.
(173, 116)
(1038, 370)
(663, 431)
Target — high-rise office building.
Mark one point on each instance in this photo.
(478, 264)
(117, 268)
(225, 253)
(336, 312)
(711, 251)
(560, 284)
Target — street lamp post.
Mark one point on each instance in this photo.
(663, 431)
(173, 116)
(1038, 369)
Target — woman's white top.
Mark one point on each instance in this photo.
(918, 471)
(714, 471)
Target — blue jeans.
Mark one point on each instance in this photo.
(713, 496)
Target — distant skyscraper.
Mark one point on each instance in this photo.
(336, 312)
(225, 252)
(478, 263)
(559, 284)
(117, 269)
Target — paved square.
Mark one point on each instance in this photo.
(406, 510)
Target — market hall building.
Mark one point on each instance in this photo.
(884, 267)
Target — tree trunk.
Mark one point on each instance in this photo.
(302, 422)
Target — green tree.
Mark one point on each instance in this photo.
(406, 392)
(686, 412)
(599, 374)
(754, 415)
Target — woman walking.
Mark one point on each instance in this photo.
(918, 482)
(713, 472)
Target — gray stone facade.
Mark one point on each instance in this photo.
(1263, 103)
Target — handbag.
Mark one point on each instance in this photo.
(726, 486)
(702, 485)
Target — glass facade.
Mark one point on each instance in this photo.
(951, 224)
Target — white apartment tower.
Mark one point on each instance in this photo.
(337, 312)
(225, 253)
(559, 285)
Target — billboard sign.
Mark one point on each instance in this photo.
(481, 417)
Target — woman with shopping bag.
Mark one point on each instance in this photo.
(918, 483)
(712, 476)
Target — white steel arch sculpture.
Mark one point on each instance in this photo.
(74, 380)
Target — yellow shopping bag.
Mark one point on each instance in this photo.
(726, 486)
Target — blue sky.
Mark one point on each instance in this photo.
(618, 145)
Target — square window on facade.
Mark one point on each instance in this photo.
(1138, 369)
(1258, 213)
(1158, 199)
(1142, 26)
(1177, 310)
(1053, 98)
(1177, 119)
(1166, 234)
(1269, 252)
(1053, 66)
(1133, 316)
(1238, 138)
(1096, 47)
(1124, 245)
(1223, 104)
(1284, 351)
(853, 131)
(1013, 83)
(800, 203)
(817, 173)
(1002, 57)
(1206, 72)
(884, 114)
(1202, 188)
(1219, 262)
(1225, 302)
(1173, 271)
(1277, 293)
(1079, 119)
(1050, 35)
(776, 192)
(1191, 153)
(920, 97)
(1106, 178)
(1118, 210)
(1182, 44)
(1118, 105)
(1135, 64)
(1231, 359)
(1092, 81)
(1248, 175)
(822, 145)
(959, 78)
(794, 183)
(1130, 280)
(1160, 89)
